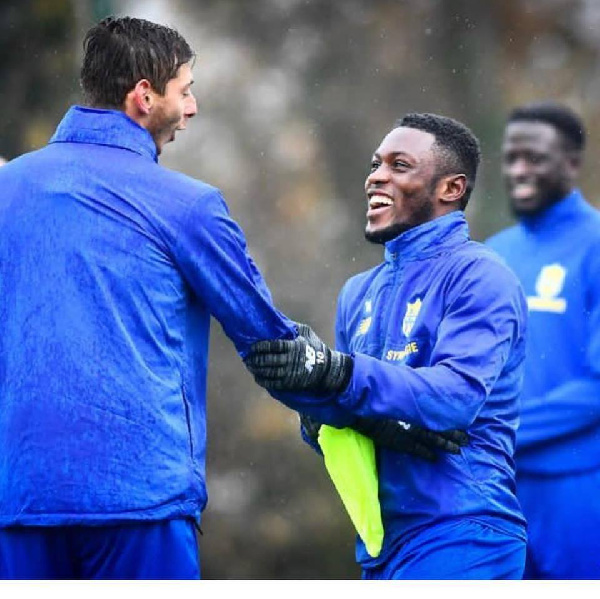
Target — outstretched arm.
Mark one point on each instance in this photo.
(212, 253)
(484, 320)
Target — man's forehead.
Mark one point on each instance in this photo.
(184, 72)
(531, 132)
(406, 140)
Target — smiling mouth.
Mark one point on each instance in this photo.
(523, 191)
(377, 201)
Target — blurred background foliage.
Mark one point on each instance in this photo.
(294, 96)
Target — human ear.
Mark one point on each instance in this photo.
(452, 188)
(143, 96)
(574, 161)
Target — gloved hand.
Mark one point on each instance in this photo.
(397, 436)
(408, 438)
(301, 364)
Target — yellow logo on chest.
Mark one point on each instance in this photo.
(394, 355)
(548, 287)
(365, 323)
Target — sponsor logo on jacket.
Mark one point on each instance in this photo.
(365, 323)
(397, 355)
(548, 287)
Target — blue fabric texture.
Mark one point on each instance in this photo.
(111, 267)
(556, 255)
(438, 335)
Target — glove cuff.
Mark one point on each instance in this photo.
(340, 371)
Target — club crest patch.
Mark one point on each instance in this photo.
(548, 286)
(550, 281)
(412, 311)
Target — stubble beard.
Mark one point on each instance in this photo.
(422, 215)
(162, 129)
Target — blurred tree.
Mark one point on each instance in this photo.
(40, 50)
(36, 70)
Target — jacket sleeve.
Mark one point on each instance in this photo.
(323, 408)
(573, 406)
(213, 255)
(485, 318)
(212, 252)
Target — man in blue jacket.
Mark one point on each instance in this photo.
(110, 269)
(555, 251)
(433, 336)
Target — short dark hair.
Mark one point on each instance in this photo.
(118, 52)
(455, 142)
(559, 116)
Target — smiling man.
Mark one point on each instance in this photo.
(433, 336)
(555, 251)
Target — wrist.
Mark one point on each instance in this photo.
(340, 372)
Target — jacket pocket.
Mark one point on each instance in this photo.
(188, 420)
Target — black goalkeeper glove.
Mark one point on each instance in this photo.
(398, 436)
(302, 364)
(408, 438)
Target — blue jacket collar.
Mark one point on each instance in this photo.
(104, 127)
(440, 234)
(571, 205)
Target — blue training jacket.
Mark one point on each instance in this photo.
(438, 334)
(556, 255)
(110, 269)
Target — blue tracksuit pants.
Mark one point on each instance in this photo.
(455, 550)
(563, 519)
(160, 550)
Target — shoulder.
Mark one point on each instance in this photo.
(589, 224)
(477, 265)
(184, 197)
(478, 256)
(187, 186)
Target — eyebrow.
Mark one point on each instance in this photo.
(395, 154)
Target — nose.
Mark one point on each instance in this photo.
(191, 107)
(518, 168)
(377, 176)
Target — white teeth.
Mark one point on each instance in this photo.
(377, 201)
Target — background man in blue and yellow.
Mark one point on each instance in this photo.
(555, 251)
(434, 336)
